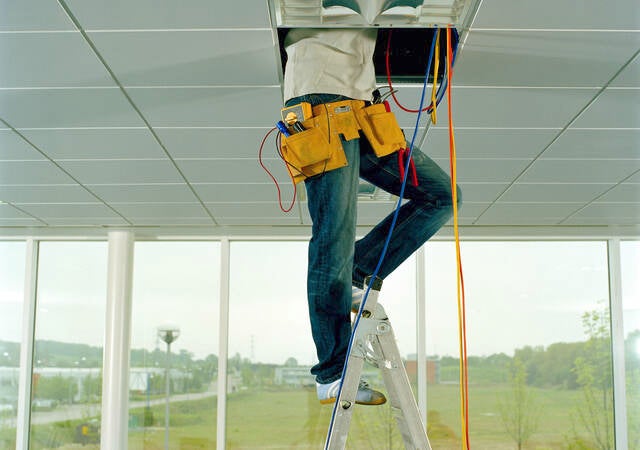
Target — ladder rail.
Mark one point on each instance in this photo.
(375, 342)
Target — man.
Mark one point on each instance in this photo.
(331, 65)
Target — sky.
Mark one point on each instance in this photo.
(517, 294)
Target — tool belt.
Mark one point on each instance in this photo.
(318, 148)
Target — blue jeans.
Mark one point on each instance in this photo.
(337, 261)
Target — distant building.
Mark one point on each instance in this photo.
(433, 370)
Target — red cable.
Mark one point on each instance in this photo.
(293, 201)
(395, 99)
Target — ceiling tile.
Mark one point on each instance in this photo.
(527, 213)
(579, 171)
(45, 194)
(33, 15)
(602, 222)
(68, 59)
(241, 192)
(501, 107)
(263, 210)
(630, 76)
(122, 171)
(63, 108)
(92, 222)
(167, 14)
(62, 210)
(257, 221)
(32, 172)
(601, 144)
(488, 143)
(20, 222)
(615, 108)
(471, 210)
(624, 192)
(558, 14)
(610, 212)
(232, 171)
(553, 192)
(209, 106)
(178, 192)
(481, 192)
(486, 170)
(543, 58)
(173, 220)
(93, 143)
(635, 178)
(148, 210)
(216, 142)
(9, 212)
(190, 58)
(12, 146)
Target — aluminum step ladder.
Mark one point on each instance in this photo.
(375, 342)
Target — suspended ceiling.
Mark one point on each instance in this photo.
(148, 115)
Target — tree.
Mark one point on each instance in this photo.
(61, 389)
(519, 410)
(593, 375)
(291, 362)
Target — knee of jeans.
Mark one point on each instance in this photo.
(445, 199)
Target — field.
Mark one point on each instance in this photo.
(293, 419)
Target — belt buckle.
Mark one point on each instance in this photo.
(342, 109)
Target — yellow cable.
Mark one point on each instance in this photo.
(459, 280)
(436, 65)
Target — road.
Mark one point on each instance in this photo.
(87, 411)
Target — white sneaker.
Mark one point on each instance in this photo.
(328, 393)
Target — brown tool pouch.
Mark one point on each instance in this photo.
(318, 149)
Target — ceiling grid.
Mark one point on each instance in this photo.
(149, 114)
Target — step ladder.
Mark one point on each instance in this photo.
(375, 342)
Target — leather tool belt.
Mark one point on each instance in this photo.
(318, 148)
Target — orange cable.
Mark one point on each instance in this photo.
(462, 329)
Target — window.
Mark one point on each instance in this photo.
(12, 264)
(69, 341)
(175, 317)
(272, 399)
(538, 344)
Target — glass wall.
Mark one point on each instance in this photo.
(630, 260)
(537, 330)
(12, 265)
(176, 290)
(69, 338)
(538, 340)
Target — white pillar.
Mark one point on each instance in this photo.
(117, 343)
(23, 419)
(421, 333)
(617, 345)
(223, 340)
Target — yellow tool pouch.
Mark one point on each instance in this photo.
(318, 149)
(381, 129)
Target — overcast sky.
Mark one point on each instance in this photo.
(517, 293)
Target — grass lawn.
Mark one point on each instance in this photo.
(293, 419)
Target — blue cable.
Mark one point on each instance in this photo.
(386, 244)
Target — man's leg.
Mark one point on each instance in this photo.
(332, 205)
(429, 207)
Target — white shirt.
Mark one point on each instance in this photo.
(330, 61)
